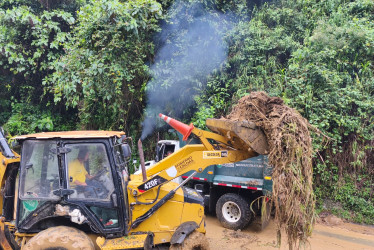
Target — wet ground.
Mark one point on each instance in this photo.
(334, 234)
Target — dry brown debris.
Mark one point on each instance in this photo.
(291, 155)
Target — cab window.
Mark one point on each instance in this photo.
(39, 171)
(88, 171)
(39, 175)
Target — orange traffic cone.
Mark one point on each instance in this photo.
(182, 128)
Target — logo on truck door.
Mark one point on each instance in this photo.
(214, 154)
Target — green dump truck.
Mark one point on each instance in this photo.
(235, 192)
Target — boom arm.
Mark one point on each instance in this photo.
(229, 148)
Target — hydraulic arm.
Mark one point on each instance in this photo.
(237, 141)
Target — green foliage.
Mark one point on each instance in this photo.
(331, 83)
(103, 70)
(350, 203)
(29, 41)
(26, 119)
(31, 37)
(212, 106)
(337, 59)
(318, 56)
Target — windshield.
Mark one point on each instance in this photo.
(39, 170)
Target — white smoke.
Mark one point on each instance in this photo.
(192, 48)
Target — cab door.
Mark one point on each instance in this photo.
(90, 179)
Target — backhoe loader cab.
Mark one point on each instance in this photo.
(72, 179)
(76, 179)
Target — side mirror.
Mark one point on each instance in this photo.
(126, 150)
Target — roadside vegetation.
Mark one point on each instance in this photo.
(94, 64)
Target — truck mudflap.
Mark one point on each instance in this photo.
(241, 134)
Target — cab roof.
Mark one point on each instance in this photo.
(72, 135)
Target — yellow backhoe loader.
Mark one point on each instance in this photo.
(71, 190)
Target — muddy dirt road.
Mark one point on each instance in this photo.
(325, 236)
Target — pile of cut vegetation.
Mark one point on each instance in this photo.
(290, 154)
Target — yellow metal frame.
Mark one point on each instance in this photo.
(195, 157)
(4, 162)
(175, 212)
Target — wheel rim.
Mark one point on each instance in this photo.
(231, 211)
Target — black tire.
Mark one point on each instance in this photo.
(194, 241)
(233, 211)
(60, 238)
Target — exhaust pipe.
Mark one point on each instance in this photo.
(141, 156)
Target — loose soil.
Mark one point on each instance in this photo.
(341, 236)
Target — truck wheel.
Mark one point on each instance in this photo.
(60, 238)
(194, 241)
(233, 211)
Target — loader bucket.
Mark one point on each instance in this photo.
(241, 134)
